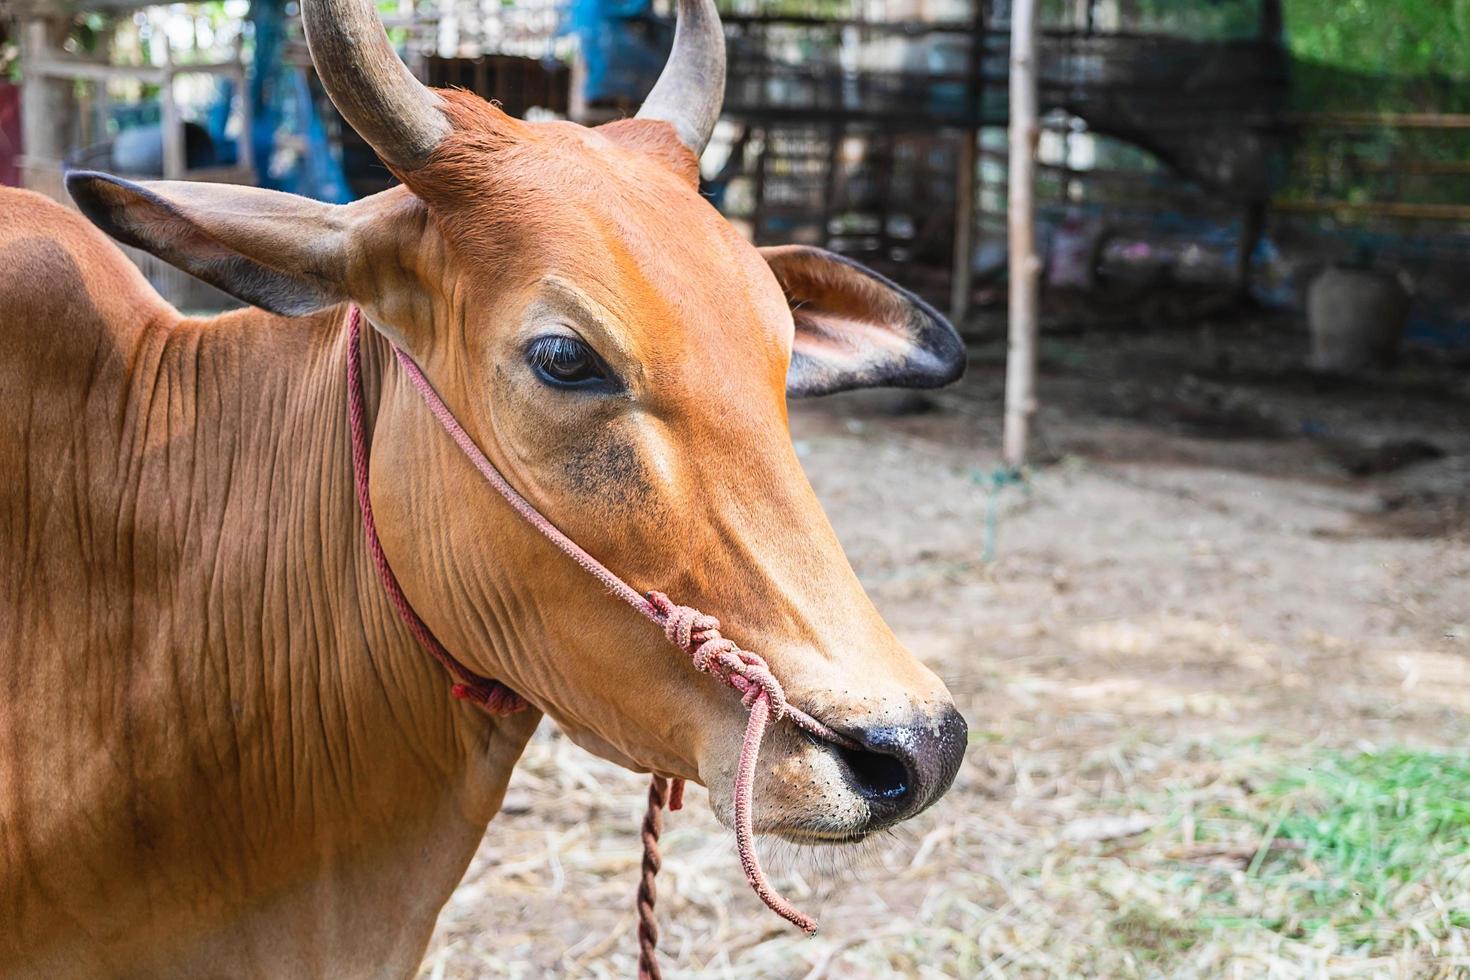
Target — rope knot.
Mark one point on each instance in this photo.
(494, 698)
(699, 636)
(756, 673)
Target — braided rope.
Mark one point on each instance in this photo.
(653, 825)
(697, 634)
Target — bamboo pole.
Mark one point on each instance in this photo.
(1025, 265)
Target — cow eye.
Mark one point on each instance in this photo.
(565, 362)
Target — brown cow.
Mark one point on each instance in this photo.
(221, 752)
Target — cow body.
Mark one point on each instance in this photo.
(217, 743)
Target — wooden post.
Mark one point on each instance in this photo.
(1253, 214)
(836, 133)
(170, 123)
(247, 118)
(758, 208)
(577, 88)
(882, 162)
(1025, 265)
(48, 106)
(963, 267)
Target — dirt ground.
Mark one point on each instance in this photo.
(1225, 566)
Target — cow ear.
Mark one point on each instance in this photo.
(855, 329)
(277, 251)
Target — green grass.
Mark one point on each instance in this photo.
(1364, 854)
(1335, 857)
(1384, 828)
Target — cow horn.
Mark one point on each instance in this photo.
(373, 89)
(691, 89)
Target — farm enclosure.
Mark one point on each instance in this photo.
(1214, 652)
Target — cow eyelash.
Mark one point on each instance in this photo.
(566, 362)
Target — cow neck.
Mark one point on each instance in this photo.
(686, 628)
(239, 416)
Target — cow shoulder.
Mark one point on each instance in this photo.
(64, 286)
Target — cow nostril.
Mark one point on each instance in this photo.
(877, 776)
(901, 769)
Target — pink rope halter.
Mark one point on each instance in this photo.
(688, 629)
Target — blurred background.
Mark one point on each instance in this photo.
(1211, 630)
(1215, 149)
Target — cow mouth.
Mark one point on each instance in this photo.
(823, 838)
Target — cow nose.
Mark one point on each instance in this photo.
(901, 769)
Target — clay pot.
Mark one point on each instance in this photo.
(1356, 318)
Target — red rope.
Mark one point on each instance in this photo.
(688, 629)
(492, 696)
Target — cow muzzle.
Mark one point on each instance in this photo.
(813, 791)
(899, 770)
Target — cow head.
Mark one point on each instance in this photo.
(625, 358)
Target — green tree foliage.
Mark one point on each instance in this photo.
(1382, 37)
(1379, 56)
